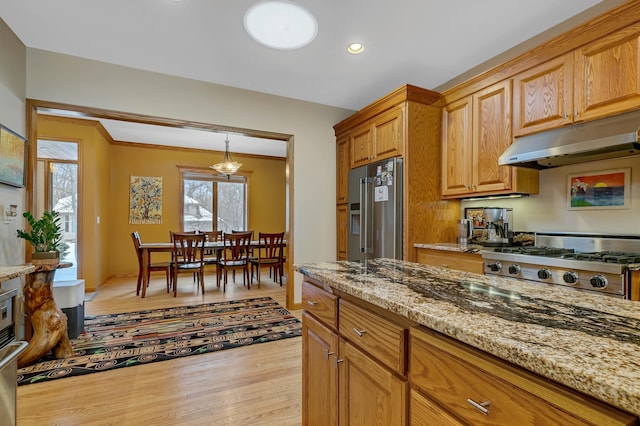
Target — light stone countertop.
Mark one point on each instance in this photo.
(470, 248)
(588, 342)
(9, 272)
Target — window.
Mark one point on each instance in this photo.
(214, 203)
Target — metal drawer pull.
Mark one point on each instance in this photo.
(327, 353)
(483, 407)
(311, 302)
(359, 332)
(337, 361)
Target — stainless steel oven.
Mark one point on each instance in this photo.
(9, 352)
(595, 263)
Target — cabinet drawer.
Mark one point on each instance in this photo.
(423, 412)
(456, 377)
(452, 260)
(320, 303)
(381, 338)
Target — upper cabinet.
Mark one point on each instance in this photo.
(342, 169)
(475, 132)
(378, 138)
(600, 79)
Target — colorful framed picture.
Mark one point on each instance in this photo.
(606, 189)
(13, 158)
(476, 216)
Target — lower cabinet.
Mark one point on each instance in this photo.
(468, 262)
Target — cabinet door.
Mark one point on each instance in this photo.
(388, 134)
(491, 136)
(453, 260)
(607, 75)
(369, 393)
(456, 148)
(360, 141)
(342, 169)
(543, 96)
(342, 222)
(319, 374)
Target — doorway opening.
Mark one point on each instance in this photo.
(57, 176)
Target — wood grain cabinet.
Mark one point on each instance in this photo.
(597, 80)
(405, 123)
(476, 130)
(342, 230)
(467, 262)
(460, 382)
(342, 170)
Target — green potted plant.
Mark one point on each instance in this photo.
(45, 237)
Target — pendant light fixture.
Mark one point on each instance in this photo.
(227, 166)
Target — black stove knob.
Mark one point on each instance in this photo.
(570, 277)
(514, 269)
(598, 281)
(544, 274)
(495, 266)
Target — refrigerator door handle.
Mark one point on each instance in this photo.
(363, 215)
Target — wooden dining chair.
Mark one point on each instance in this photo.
(269, 254)
(211, 255)
(188, 256)
(235, 256)
(151, 267)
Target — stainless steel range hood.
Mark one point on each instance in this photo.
(610, 137)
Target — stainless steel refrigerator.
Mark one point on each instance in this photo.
(375, 211)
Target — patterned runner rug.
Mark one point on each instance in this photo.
(134, 338)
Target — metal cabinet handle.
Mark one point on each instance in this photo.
(311, 302)
(337, 361)
(359, 332)
(483, 407)
(327, 353)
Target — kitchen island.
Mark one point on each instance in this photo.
(587, 343)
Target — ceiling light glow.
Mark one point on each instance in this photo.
(280, 24)
(355, 48)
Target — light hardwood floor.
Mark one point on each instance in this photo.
(254, 385)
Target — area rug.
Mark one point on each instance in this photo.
(135, 338)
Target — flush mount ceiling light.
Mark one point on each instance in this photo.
(227, 166)
(355, 48)
(280, 24)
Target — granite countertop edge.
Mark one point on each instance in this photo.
(9, 272)
(566, 356)
(458, 248)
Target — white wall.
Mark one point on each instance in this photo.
(548, 211)
(12, 115)
(72, 80)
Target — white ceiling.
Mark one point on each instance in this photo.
(421, 42)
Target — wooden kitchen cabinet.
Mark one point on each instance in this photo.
(597, 80)
(405, 123)
(342, 230)
(479, 389)
(476, 130)
(543, 96)
(342, 170)
(320, 383)
(468, 262)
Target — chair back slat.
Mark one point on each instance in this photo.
(237, 246)
(271, 244)
(188, 248)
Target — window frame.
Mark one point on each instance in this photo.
(187, 172)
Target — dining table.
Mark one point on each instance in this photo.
(210, 247)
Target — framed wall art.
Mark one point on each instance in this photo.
(606, 189)
(145, 200)
(13, 158)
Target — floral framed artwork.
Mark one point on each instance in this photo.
(606, 189)
(145, 200)
(13, 158)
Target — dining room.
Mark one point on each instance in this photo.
(253, 198)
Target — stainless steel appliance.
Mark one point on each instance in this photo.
(499, 221)
(9, 351)
(375, 211)
(595, 263)
(465, 231)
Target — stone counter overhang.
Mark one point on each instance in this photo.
(10, 272)
(588, 342)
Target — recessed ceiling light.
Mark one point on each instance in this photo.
(280, 24)
(355, 48)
